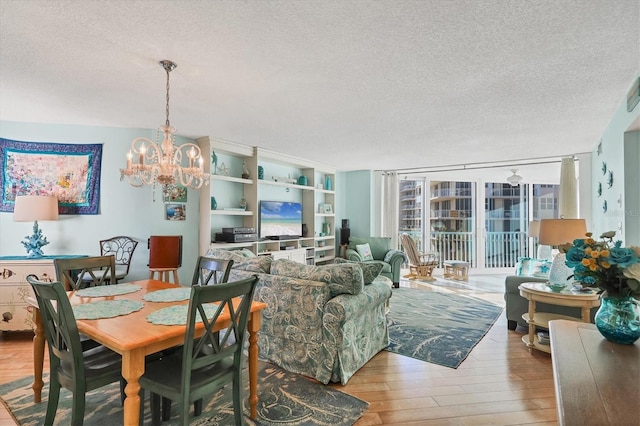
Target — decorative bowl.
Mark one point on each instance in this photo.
(556, 287)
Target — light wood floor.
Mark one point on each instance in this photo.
(500, 383)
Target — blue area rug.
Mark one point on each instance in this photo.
(285, 399)
(437, 327)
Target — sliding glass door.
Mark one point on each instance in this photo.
(483, 223)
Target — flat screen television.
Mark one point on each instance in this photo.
(280, 219)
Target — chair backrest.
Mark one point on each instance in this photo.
(165, 251)
(79, 272)
(410, 249)
(121, 247)
(60, 327)
(232, 300)
(211, 271)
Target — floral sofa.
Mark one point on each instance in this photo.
(324, 321)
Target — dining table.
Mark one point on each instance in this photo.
(133, 336)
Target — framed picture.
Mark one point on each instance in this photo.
(327, 208)
(174, 193)
(71, 172)
(175, 211)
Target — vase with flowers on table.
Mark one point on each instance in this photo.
(615, 270)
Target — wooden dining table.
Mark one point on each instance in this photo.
(133, 337)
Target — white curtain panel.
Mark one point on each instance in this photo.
(568, 198)
(390, 206)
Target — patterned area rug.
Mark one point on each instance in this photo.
(285, 399)
(437, 327)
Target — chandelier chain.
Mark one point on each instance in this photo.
(167, 107)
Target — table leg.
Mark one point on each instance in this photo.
(253, 327)
(38, 356)
(532, 327)
(586, 315)
(132, 369)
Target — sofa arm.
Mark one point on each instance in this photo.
(351, 254)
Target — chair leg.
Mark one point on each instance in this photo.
(155, 409)
(238, 412)
(52, 404)
(197, 407)
(77, 407)
(166, 409)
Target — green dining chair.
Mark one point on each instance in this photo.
(70, 367)
(80, 272)
(207, 363)
(211, 271)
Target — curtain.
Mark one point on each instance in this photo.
(568, 199)
(390, 207)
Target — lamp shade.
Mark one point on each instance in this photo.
(555, 232)
(29, 208)
(534, 229)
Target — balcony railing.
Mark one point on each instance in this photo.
(502, 249)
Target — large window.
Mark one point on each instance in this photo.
(483, 224)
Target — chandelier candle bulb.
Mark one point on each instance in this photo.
(129, 157)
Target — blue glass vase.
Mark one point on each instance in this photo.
(618, 320)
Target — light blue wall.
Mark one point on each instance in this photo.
(620, 153)
(124, 210)
(357, 202)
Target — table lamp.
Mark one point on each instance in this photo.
(556, 233)
(544, 251)
(29, 208)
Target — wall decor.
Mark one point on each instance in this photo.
(71, 172)
(599, 190)
(604, 206)
(176, 212)
(174, 193)
(604, 168)
(610, 179)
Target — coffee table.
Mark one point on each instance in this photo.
(540, 292)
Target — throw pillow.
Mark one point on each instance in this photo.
(370, 270)
(523, 267)
(260, 264)
(540, 268)
(364, 250)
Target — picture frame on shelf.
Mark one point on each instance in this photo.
(327, 208)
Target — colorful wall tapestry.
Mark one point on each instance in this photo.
(71, 172)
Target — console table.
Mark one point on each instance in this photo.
(14, 288)
(597, 382)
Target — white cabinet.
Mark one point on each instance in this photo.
(296, 255)
(272, 176)
(14, 289)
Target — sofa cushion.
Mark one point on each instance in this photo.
(341, 278)
(370, 270)
(364, 250)
(523, 266)
(260, 264)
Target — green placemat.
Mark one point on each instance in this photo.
(106, 309)
(169, 295)
(108, 290)
(177, 315)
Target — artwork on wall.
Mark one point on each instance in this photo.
(174, 193)
(175, 212)
(71, 172)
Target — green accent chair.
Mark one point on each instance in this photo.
(209, 362)
(382, 252)
(71, 367)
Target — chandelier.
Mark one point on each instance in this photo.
(150, 163)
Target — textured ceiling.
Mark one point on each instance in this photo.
(353, 84)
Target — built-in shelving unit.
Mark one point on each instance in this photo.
(280, 181)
